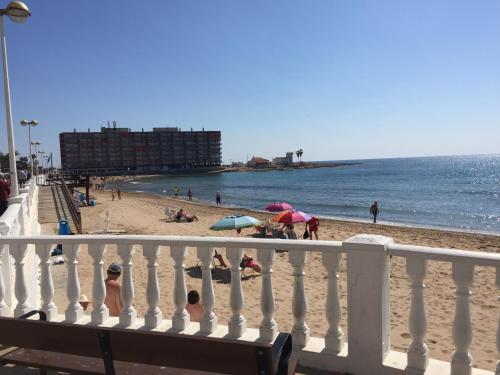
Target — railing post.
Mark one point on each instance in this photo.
(100, 312)
(180, 319)
(46, 284)
(128, 315)
(208, 323)
(418, 354)
(268, 328)
(18, 251)
(153, 317)
(237, 324)
(74, 311)
(497, 371)
(300, 330)
(4, 308)
(461, 360)
(368, 302)
(334, 337)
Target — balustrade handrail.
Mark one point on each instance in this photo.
(446, 255)
(162, 240)
(73, 208)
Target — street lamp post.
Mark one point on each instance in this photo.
(29, 124)
(18, 13)
(36, 144)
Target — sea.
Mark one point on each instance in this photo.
(446, 192)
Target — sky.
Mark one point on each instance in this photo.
(339, 79)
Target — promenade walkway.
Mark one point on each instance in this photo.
(52, 206)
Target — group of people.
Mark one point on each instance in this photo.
(183, 215)
(189, 195)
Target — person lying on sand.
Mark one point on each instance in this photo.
(183, 215)
(247, 261)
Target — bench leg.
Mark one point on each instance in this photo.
(107, 355)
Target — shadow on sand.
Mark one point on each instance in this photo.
(219, 275)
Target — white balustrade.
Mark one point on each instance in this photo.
(180, 318)
(368, 295)
(74, 311)
(18, 252)
(334, 337)
(43, 251)
(417, 352)
(153, 317)
(300, 330)
(461, 361)
(100, 312)
(4, 308)
(208, 323)
(128, 315)
(237, 323)
(268, 328)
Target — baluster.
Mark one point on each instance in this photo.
(46, 284)
(334, 337)
(208, 323)
(300, 330)
(268, 328)
(153, 316)
(497, 372)
(18, 251)
(128, 315)
(74, 311)
(418, 355)
(4, 308)
(100, 312)
(180, 319)
(461, 360)
(237, 324)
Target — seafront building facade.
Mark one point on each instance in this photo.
(120, 150)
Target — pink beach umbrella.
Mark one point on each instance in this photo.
(292, 217)
(278, 206)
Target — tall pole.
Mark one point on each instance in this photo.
(14, 191)
(31, 154)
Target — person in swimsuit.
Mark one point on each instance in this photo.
(113, 299)
(374, 211)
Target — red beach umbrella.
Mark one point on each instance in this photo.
(278, 206)
(291, 217)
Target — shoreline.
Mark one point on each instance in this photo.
(381, 223)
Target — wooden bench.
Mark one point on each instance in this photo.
(88, 349)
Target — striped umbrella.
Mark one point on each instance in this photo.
(235, 222)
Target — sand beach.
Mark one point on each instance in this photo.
(138, 213)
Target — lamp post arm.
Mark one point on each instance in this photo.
(8, 114)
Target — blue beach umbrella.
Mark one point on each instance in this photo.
(235, 222)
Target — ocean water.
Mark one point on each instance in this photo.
(457, 192)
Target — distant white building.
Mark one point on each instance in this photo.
(283, 160)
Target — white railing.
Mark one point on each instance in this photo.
(20, 218)
(365, 350)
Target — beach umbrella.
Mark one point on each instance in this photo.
(291, 217)
(235, 222)
(278, 206)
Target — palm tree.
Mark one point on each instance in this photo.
(301, 152)
(298, 154)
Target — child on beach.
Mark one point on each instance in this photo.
(193, 307)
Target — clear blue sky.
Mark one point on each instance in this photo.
(340, 79)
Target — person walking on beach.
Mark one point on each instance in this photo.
(4, 194)
(190, 195)
(217, 199)
(176, 191)
(119, 194)
(112, 194)
(374, 211)
(113, 290)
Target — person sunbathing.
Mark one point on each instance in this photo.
(247, 261)
(183, 215)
